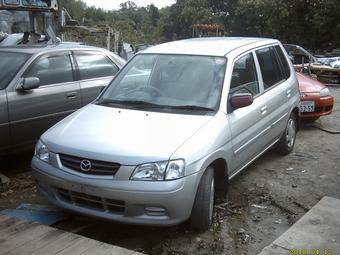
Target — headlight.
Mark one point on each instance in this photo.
(324, 92)
(159, 171)
(41, 151)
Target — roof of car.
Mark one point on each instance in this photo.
(210, 46)
(46, 48)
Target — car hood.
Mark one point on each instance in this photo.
(308, 84)
(333, 62)
(125, 136)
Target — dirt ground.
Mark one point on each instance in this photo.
(263, 201)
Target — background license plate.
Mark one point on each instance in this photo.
(307, 106)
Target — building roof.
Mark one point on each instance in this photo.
(210, 46)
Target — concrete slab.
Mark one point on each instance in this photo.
(317, 232)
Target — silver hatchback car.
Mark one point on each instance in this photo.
(175, 125)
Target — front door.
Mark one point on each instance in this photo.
(246, 124)
(32, 112)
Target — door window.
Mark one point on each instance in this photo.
(95, 66)
(52, 70)
(283, 60)
(270, 69)
(244, 78)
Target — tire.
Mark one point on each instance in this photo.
(286, 143)
(202, 211)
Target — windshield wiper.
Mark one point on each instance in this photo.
(108, 102)
(144, 104)
(191, 108)
(127, 103)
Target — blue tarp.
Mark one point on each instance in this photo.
(44, 214)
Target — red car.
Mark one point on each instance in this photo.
(316, 99)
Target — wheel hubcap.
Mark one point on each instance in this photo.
(290, 134)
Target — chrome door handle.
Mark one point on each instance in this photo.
(71, 95)
(288, 92)
(263, 110)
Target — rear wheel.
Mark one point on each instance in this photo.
(202, 211)
(286, 143)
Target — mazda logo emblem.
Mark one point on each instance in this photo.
(85, 165)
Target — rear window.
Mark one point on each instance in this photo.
(10, 64)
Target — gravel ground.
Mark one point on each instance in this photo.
(263, 201)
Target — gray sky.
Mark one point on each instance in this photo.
(114, 4)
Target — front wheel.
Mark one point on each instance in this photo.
(202, 211)
(286, 143)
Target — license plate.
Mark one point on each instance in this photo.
(307, 106)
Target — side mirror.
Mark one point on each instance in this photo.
(241, 100)
(29, 83)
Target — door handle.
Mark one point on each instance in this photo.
(288, 92)
(71, 95)
(263, 110)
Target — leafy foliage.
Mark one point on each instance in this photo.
(314, 24)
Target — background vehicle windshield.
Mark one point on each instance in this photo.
(9, 65)
(170, 81)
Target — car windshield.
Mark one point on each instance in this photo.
(168, 82)
(9, 65)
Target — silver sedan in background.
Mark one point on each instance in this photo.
(40, 85)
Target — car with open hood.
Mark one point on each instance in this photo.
(324, 69)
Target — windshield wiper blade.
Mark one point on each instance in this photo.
(127, 103)
(108, 102)
(192, 107)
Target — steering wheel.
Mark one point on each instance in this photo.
(150, 90)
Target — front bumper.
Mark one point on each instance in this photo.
(323, 106)
(162, 203)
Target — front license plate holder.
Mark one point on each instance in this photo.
(307, 106)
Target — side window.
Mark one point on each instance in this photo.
(244, 78)
(270, 69)
(95, 66)
(52, 70)
(284, 63)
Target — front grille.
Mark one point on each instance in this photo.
(97, 167)
(91, 202)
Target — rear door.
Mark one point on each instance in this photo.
(95, 71)
(277, 92)
(33, 111)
